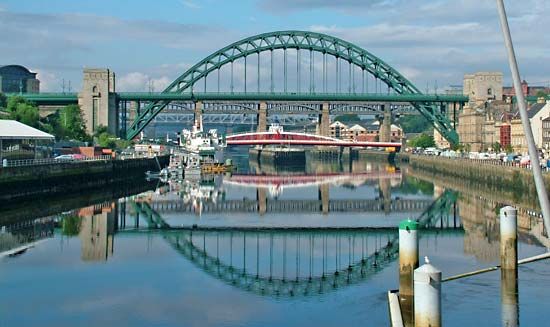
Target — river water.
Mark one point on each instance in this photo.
(266, 246)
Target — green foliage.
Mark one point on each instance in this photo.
(106, 140)
(413, 185)
(66, 124)
(414, 124)
(422, 141)
(348, 119)
(23, 111)
(496, 147)
(71, 225)
(3, 101)
(508, 149)
(542, 94)
(100, 130)
(72, 123)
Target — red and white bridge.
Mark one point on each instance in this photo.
(301, 139)
(310, 179)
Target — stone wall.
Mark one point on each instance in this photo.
(66, 178)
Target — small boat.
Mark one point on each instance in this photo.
(163, 173)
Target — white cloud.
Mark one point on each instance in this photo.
(190, 4)
(140, 82)
(49, 81)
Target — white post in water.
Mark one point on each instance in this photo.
(408, 262)
(508, 238)
(509, 266)
(427, 296)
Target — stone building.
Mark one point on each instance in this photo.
(528, 90)
(97, 100)
(546, 134)
(18, 79)
(481, 87)
(367, 132)
(338, 130)
(470, 128)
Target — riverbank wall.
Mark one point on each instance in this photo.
(279, 156)
(17, 183)
(513, 184)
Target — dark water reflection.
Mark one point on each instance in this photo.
(259, 248)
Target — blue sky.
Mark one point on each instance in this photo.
(427, 41)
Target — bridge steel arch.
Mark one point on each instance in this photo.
(299, 40)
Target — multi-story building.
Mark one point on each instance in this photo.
(528, 90)
(470, 127)
(546, 134)
(363, 132)
(18, 79)
(505, 136)
(338, 130)
(481, 87)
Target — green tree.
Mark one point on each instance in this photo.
(106, 140)
(496, 147)
(414, 124)
(3, 101)
(541, 94)
(422, 141)
(72, 123)
(508, 148)
(23, 111)
(348, 119)
(70, 225)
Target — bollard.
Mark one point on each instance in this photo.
(427, 296)
(408, 262)
(508, 238)
(509, 297)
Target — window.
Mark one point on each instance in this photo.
(489, 91)
(94, 89)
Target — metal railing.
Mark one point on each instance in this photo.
(49, 161)
(492, 162)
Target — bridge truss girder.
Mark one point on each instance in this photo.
(299, 40)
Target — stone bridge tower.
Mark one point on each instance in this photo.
(97, 100)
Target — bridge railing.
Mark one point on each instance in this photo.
(49, 161)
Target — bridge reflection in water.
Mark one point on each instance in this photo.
(290, 262)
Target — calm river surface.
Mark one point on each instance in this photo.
(300, 246)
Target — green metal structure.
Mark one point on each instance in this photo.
(299, 40)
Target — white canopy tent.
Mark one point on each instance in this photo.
(13, 132)
(12, 129)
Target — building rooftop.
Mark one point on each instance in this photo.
(534, 109)
(11, 129)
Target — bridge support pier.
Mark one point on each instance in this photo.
(262, 117)
(323, 127)
(385, 194)
(197, 115)
(324, 197)
(97, 100)
(385, 124)
(133, 112)
(261, 197)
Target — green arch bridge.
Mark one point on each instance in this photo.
(328, 76)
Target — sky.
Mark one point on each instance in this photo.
(150, 43)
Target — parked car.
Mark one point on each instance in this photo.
(64, 157)
(431, 151)
(78, 156)
(524, 161)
